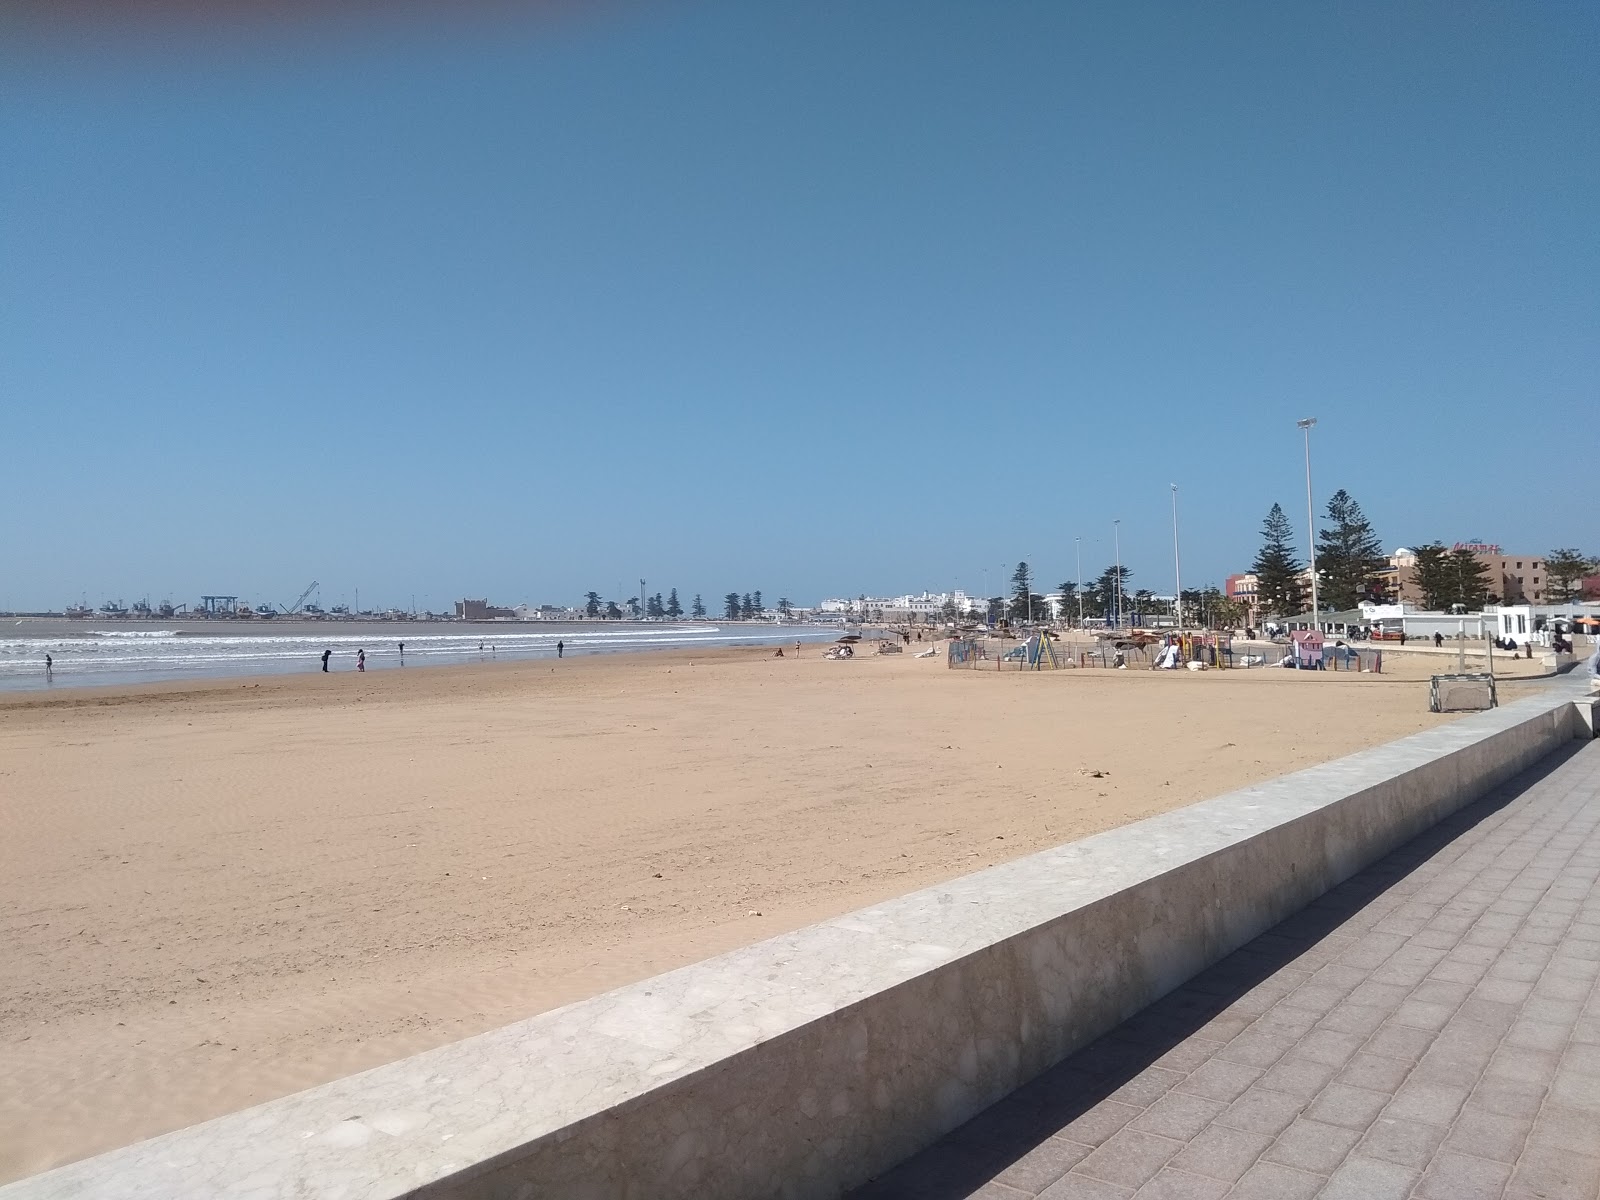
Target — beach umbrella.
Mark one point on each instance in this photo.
(1586, 621)
(851, 637)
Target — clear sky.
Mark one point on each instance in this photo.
(817, 298)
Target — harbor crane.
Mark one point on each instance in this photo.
(295, 607)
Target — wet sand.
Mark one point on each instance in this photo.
(214, 894)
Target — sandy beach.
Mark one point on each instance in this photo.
(214, 894)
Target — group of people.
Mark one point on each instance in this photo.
(361, 655)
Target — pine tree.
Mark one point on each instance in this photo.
(756, 607)
(1434, 576)
(633, 607)
(1069, 600)
(592, 608)
(1564, 570)
(1470, 580)
(654, 608)
(747, 608)
(730, 606)
(785, 609)
(1277, 571)
(1349, 555)
(1103, 592)
(613, 613)
(674, 609)
(1021, 590)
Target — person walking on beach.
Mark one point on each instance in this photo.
(361, 660)
(49, 667)
(561, 648)
(1438, 640)
(402, 654)
(325, 656)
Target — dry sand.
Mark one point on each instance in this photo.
(215, 894)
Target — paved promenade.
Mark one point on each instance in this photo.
(1431, 1028)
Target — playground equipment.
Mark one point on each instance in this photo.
(1036, 653)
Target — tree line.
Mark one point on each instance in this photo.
(1351, 567)
(736, 607)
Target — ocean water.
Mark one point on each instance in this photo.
(97, 652)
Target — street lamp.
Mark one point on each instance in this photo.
(1177, 569)
(1116, 533)
(1077, 544)
(1311, 521)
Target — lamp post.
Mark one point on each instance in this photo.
(1305, 425)
(1077, 545)
(1177, 569)
(1116, 534)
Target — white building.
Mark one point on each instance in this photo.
(922, 606)
(1524, 623)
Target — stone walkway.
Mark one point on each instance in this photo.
(1431, 1028)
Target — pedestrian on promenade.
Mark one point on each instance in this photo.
(1438, 640)
(325, 655)
(1594, 668)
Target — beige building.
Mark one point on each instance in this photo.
(1514, 578)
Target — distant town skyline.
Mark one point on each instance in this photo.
(827, 299)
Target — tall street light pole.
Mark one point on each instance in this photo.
(1177, 568)
(1077, 544)
(1116, 533)
(1311, 522)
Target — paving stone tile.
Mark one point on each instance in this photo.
(1312, 1146)
(1400, 1041)
(1297, 1077)
(1148, 1086)
(1351, 1107)
(1376, 1073)
(1258, 1047)
(1409, 1143)
(1559, 987)
(1547, 1008)
(1461, 1177)
(1387, 996)
(1478, 1131)
(1524, 1066)
(1220, 1080)
(1566, 1129)
(1452, 970)
(1419, 1015)
(1361, 1178)
(1508, 1097)
(1554, 1174)
(1576, 1087)
(1329, 1046)
(1081, 1187)
(1498, 1015)
(1285, 1018)
(1180, 1185)
(1355, 1018)
(1538, 1035)
(1043, 1165)
(1178, 1115)
(1218, 1152)
(1098, 1123)
(1273, 1181)
(1432, 1103)
(1129, 1158)
(1261, 1111)
(1437, 991)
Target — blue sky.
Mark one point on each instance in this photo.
(818, 299)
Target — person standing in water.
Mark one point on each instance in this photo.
(402, 654)
(361, 660)
(561, 648)
(325, 656)
(49, 667)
